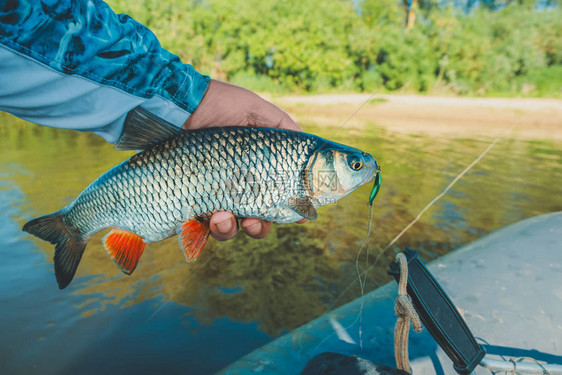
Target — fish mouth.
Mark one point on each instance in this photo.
(373, 168)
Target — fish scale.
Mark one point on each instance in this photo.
(183, 177)
(143, 191)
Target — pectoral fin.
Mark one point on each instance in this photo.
(125, 248)
(304, 207)
(192, 237)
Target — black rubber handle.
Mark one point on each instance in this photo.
(439, 315)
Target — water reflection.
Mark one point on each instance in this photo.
(298, 271)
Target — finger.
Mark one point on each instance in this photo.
(302, 221)
(256, 228)
(268, 115)
(223, 226)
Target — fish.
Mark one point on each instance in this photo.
(179, 178)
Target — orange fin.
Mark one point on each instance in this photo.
(125, 248)
(193, 236)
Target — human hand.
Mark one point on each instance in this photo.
(226, 104)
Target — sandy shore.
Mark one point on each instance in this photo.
(534, 118)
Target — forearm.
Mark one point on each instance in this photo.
(81, 66)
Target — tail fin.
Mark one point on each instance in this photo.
(69, 247)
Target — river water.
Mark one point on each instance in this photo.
(173, 317)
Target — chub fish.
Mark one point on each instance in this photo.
(181, 177)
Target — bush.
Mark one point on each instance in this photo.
(321, 46)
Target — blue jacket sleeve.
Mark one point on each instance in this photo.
(77, 64)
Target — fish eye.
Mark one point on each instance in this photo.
(357, 165)
(355, 162)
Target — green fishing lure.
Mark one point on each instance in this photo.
(376, 187)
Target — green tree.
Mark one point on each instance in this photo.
(318, 46)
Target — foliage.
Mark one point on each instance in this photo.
(318, 46)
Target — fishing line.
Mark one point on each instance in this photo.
(375, 190)
(364, 281)
(359, 316)
(363, 277)
(369, 99)
(440, 195)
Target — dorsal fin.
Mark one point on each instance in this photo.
(142, 129)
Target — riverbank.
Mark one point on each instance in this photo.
(536, 118)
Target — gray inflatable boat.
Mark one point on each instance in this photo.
(507, 286)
